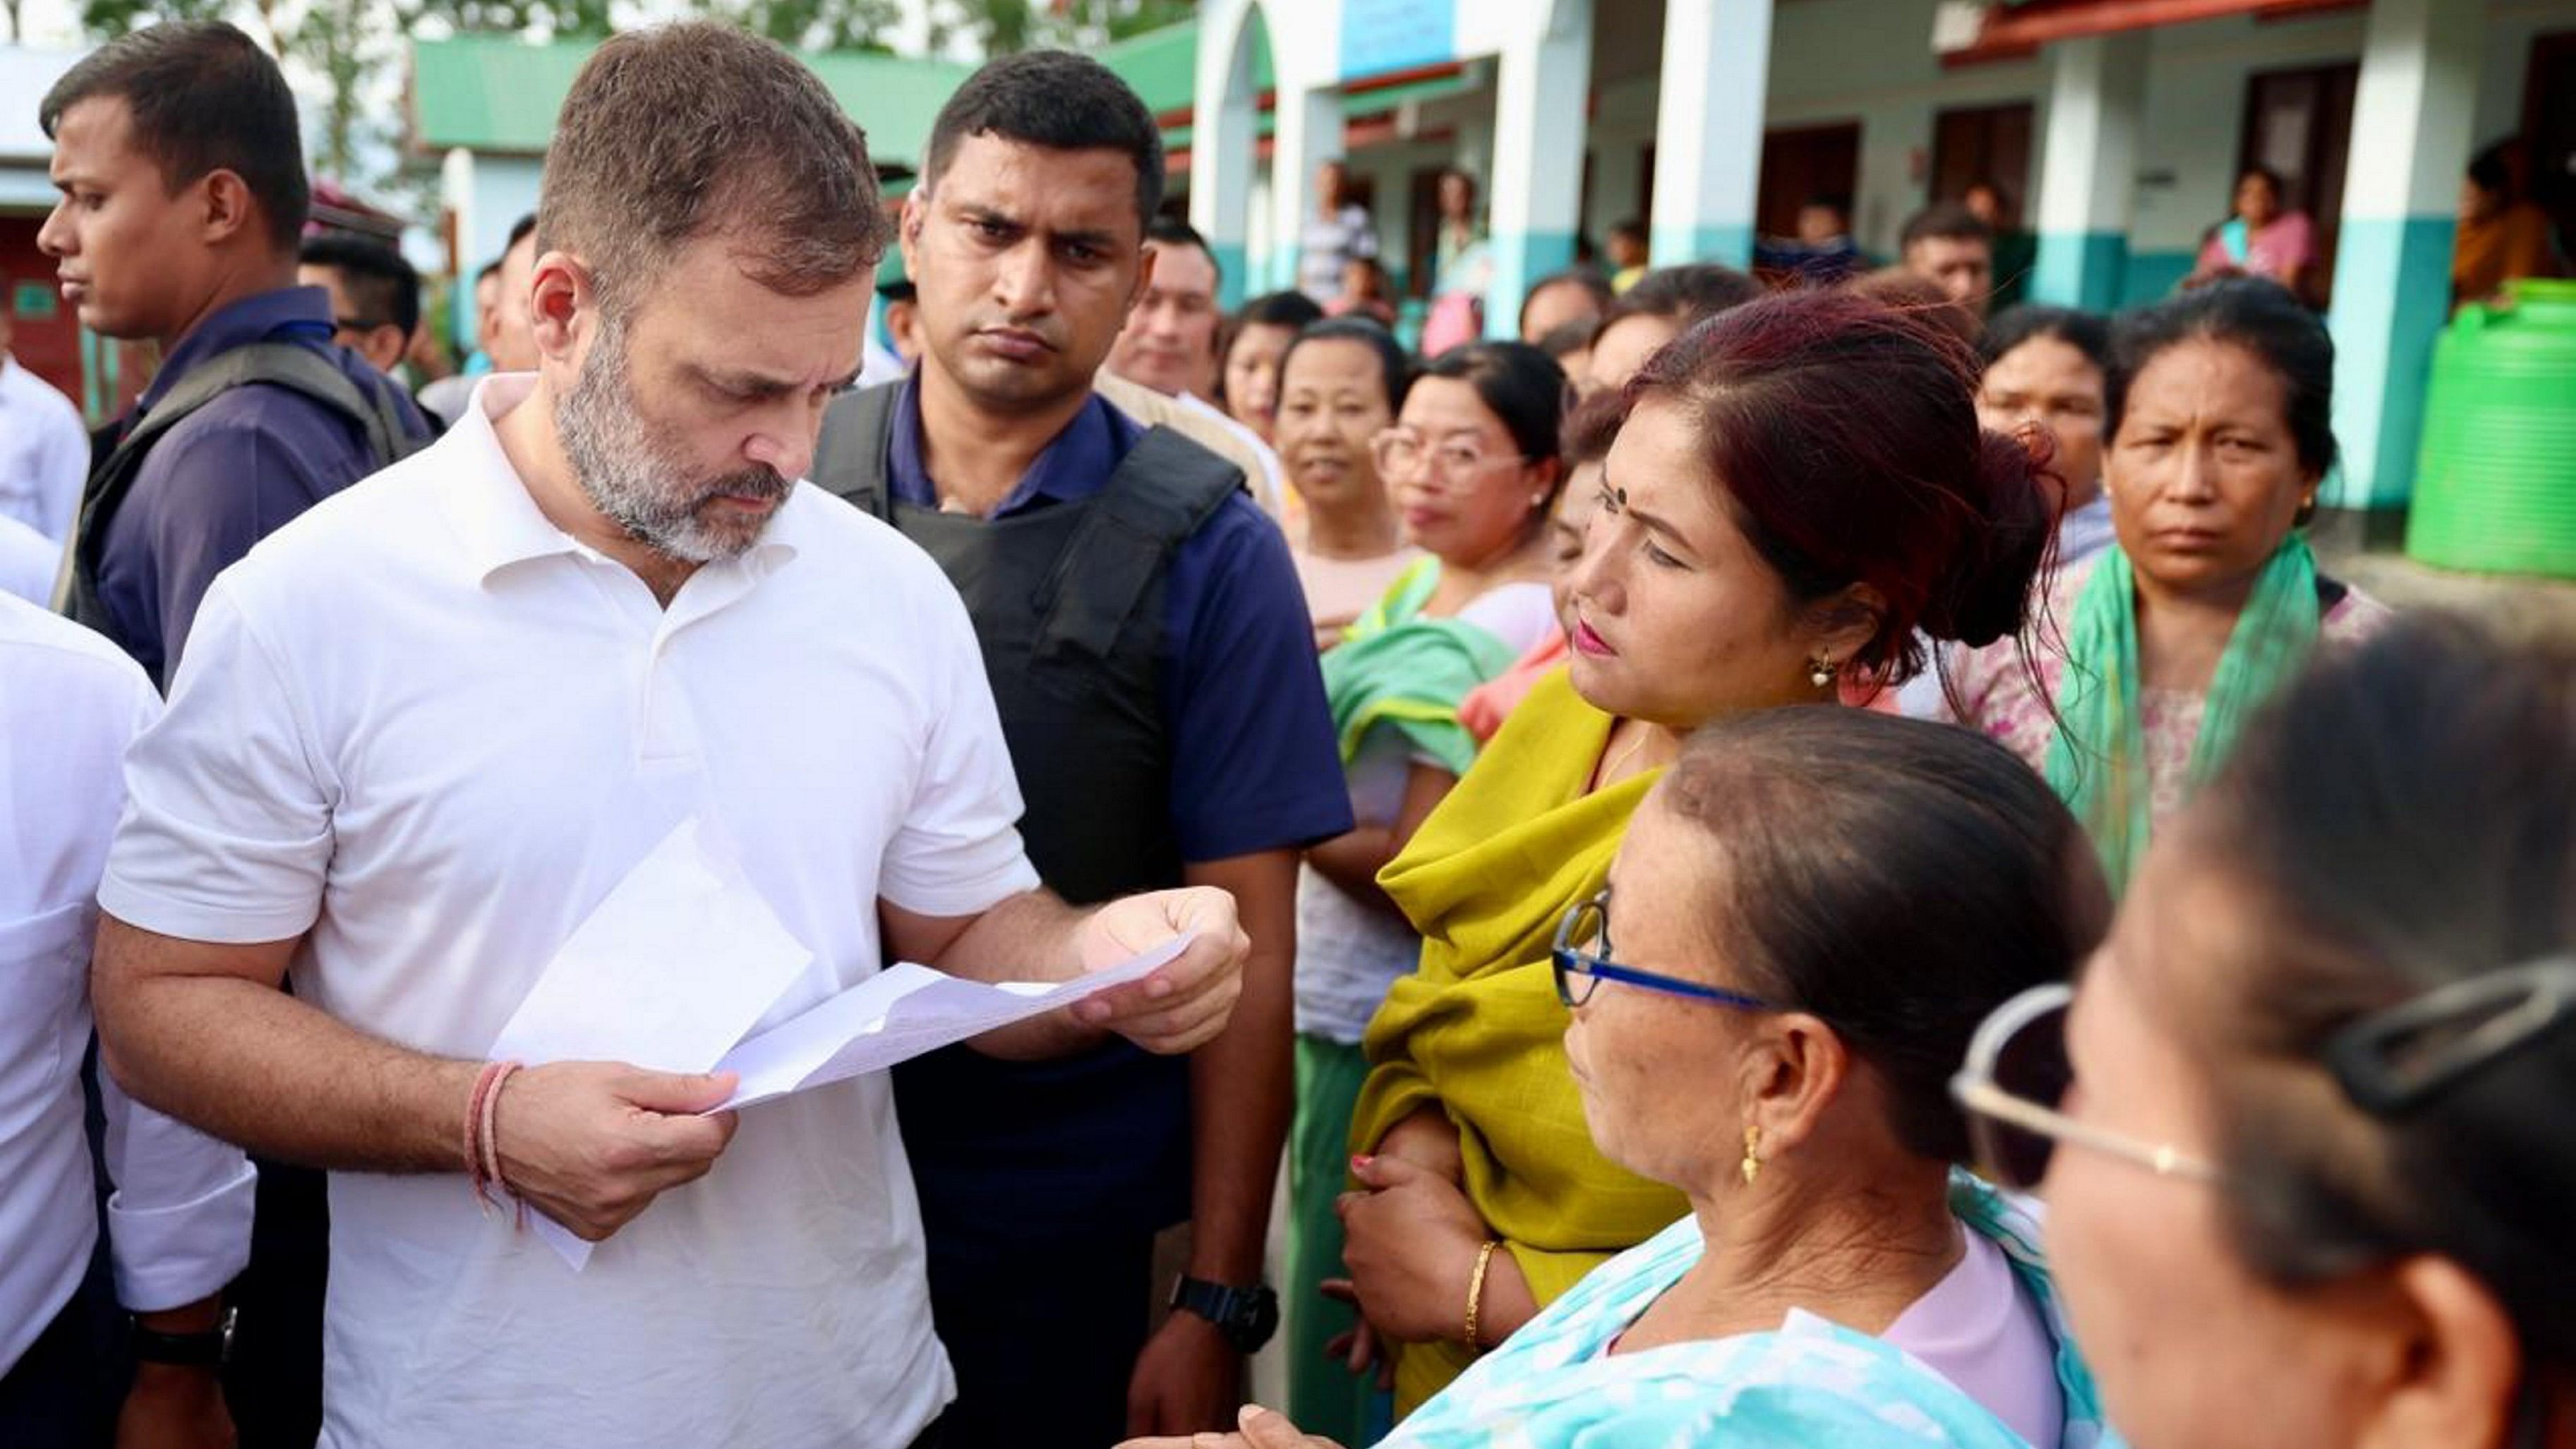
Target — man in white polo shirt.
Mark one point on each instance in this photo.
(179, 1222)
(422, 731)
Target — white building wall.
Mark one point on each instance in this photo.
(1623, 126)
(1872, 61)
(2195, 121)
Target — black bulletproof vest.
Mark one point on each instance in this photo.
(1068, 603)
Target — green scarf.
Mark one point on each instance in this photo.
(2238, 240)
(1399, 669)
(2098, 762)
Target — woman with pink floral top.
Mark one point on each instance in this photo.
(2151, 655)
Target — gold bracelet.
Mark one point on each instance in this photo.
(1476, 1292)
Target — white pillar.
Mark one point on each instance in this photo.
(1308, 133)
(2097, 88)
(2411, 133)
(1541, 96)
(1708, 124)
(1223, 121)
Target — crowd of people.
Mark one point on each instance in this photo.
(1947, 709)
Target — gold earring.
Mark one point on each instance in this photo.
(1752, 1153)
(1820, 671)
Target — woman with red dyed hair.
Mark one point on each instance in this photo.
(1800, 484)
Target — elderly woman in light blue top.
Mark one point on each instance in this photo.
(1802, 928)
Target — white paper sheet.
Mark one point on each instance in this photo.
(899, 1014)
(668, 972)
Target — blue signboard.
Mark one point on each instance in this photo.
(1383, 35)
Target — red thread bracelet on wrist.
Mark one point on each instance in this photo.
(482, 1159)
(491, 1139)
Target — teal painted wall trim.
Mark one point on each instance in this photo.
(2153, 276)
(2087, 269)
(1730, 245)
(2392, 293)
(1233, 272)
(1519, 261)
(1384, 35)
(1277, 271)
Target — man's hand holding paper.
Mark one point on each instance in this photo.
(591, 1144)
(1187, 1001)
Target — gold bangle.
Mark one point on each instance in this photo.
(1476, 1292)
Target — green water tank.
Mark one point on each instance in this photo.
(2495, 488)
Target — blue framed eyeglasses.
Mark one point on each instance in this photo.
(1582, 961)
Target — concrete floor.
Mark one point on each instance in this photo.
(2373, 563)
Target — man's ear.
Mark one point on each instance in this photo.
(907, 231)
(560, 290)
(1144, 274)
(385, 346)
(227, 208)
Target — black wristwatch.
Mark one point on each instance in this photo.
(210, 1349)
(1246, 1316)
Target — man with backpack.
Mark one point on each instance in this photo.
(183, 200)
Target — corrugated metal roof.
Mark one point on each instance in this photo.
(498, 94)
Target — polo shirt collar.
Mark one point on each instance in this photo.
(1075, 464)
(290, 312)
(499, 521)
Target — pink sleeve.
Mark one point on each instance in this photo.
(2299, 239)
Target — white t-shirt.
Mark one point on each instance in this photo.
(428, 726)
(44, 452)
(179, 1222)
(1326, 243)
(29, 562)
(1349, 953)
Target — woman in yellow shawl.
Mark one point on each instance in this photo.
(1800, 485)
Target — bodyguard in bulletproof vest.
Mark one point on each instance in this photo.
(1150, 652)
(181, 169)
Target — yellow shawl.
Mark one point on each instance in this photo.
(1478, 1032)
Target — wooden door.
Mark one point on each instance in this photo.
(2549, 131)
(1804, 162)
(2299, 124)
(1984, 143)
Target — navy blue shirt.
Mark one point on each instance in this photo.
(229, 475)
(1255, 763)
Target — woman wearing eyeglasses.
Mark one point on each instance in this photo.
(1809, 915)
(1472, 464)
(2313, 1172)
(1799, 484)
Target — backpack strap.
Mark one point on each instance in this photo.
(850, 461)
(1163, 492)
(297, 368)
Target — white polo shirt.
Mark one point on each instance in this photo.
(429, 727)
(44, 452)
(179, 1222)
